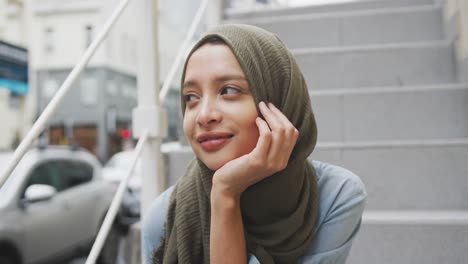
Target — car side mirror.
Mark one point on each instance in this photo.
(38, 192)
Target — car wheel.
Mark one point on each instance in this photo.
(6, 260)
(110, 249)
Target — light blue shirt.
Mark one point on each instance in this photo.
(342, 201)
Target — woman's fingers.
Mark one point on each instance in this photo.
(282, 118)
(290, 131)
(277, 131)
(284, 135)
(264, 139)
(270, 155)
(270, 117)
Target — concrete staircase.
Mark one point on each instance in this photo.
(383, 83)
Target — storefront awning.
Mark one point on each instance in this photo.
(14, 86)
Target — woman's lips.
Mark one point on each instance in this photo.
(213, 141)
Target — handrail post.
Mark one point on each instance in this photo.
(148, 114)
(214, 13)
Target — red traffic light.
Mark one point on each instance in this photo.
(125, 133)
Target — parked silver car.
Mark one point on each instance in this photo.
(113, 172)
(52, 206)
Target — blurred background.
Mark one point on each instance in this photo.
(388, 84)
(43, 39)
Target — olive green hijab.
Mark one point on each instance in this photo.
(280, 212)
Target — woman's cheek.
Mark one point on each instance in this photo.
(187, 125)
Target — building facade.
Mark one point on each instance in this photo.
(99, 105)
(98, 108)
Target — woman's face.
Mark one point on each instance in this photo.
(220, 113)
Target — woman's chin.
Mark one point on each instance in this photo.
(214, 166)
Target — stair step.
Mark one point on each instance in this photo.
(421, 23)
(399, 175)
(445, 217)
(391, 113)
(378, 65)
(248, 13)
(415, 242)
(405, 175)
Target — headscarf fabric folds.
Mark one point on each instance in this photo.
(279, 213)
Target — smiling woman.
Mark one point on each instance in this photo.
(251, 195)
(220, 112)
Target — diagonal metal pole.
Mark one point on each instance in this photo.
(115, 205)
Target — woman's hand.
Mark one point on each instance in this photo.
(277, 137)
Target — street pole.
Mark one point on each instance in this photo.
(148, 114)
(214, 13)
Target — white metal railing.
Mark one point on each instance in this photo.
(145, 105)
(115, 205)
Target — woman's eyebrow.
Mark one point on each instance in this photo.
(221, 78)
(189, 84)
(230, 77)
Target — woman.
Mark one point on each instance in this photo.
(250, 194)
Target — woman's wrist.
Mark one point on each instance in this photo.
(226, 227)
(223, 197)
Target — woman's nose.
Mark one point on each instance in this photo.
(209, 113)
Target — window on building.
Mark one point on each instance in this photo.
(50, 87)
(89, 90)
(49, 40)
(124, 47)
(133, 51)
(111, 87)
(88, 35)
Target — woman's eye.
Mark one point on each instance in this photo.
(230, 90)
(190, 97)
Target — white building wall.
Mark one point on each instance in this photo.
(68, 21)
(12, 26)
(120, 48)
(58, 36)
